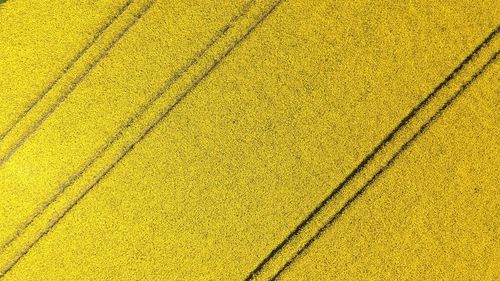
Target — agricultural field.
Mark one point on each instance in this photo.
(249, 140)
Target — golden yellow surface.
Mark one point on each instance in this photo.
(191, 137)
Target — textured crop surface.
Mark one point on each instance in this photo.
(249, 140)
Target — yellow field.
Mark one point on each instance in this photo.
(249, 139)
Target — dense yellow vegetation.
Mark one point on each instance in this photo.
(224, 140)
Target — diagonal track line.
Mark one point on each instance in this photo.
(75, 83)
(65, 70)
(388, 165)
(370, 156)
(100, 152)
(196, 81)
